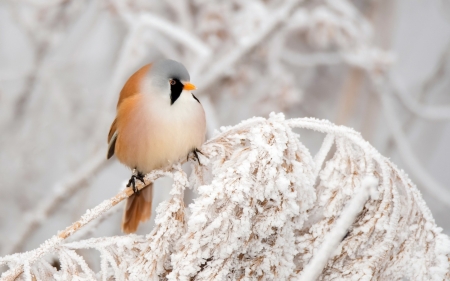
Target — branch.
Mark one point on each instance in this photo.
(89, 216)
(260, 215)
(315, 267)
(175, 32)
(224, 64)
(61, 192)
(164, 26)
(319, 158)
(406, 153)
(431, 112)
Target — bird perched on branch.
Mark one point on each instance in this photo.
(158, 121)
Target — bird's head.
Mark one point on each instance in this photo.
(168, 78)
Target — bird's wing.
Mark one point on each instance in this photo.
(131, 87)
(112, 137)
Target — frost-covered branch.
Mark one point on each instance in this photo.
(336, 235)
(265, 204)
(61, 191)
(261, 215)
(89, 216)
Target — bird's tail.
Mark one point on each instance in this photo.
(138, 209)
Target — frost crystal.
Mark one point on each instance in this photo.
(268, 210)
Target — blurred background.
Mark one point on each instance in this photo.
(381, 67)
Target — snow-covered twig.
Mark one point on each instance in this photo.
(319, 158)
(61, 190)
(335, 236)
(90, 215)
(261, 215)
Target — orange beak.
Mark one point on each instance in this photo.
(189, 87)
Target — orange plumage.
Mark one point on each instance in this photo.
(130, 88)
(157, 123)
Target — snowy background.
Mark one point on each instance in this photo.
(381, 67)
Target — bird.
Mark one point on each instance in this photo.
(159, 121)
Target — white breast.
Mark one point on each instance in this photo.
(166, 132)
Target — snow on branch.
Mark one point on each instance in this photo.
(262, 215)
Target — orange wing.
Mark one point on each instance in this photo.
(130, 88)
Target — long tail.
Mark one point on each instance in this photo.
(138, 209)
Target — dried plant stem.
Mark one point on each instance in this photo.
(88, 216)
(351, 90)
(314, 268)
(61, 191)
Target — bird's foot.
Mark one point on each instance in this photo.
(195, 151)
(132, 181)
(140, 176)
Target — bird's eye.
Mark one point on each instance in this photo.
(172, 82)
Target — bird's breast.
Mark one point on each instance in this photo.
(153, 134)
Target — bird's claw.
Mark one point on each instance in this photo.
(132, 181)
(140, 177)
(195, 152)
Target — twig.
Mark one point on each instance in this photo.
(164, 26)
(432, 112)
(406, 153)
(319, 158)
(175, 32)
(334, 237)
(89, 229)
(61, 191)
(88, 216)
(221, 67)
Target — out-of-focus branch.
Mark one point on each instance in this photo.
(406, 153)
(227, 62)
(176, 33)
(432, 112)
(310, 60)
(164, 26)
(183, 12)
(61, 191)
(350, 91)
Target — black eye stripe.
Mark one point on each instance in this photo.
(175, 90)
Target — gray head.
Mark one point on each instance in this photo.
(170, 75)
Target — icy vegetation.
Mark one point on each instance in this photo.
(266, 210)
(381, 67)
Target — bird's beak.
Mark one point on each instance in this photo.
(189, 87)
